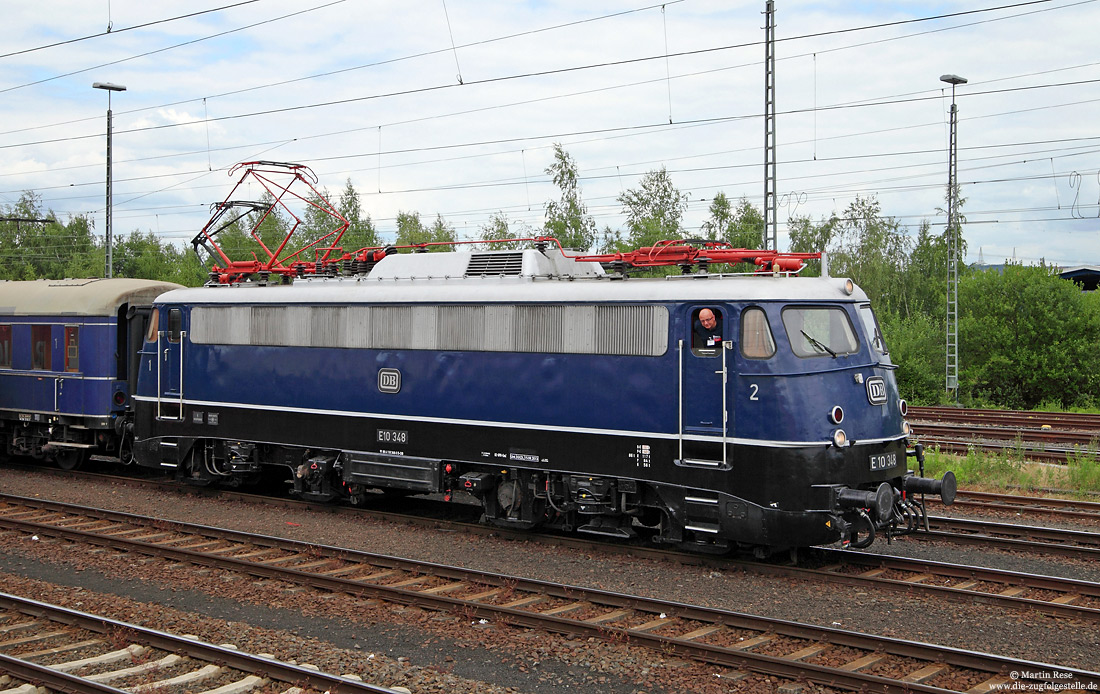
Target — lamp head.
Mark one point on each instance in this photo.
(952, 79)
(109, 86)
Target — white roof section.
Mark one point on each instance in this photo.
(77, 297)
(550, 263)
(540, 278)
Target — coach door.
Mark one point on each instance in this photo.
(68, 395)
(704, 355)
(170, 366)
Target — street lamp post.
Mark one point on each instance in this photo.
(109, 87)
(952, 245)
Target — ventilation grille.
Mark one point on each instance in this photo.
(495, 264)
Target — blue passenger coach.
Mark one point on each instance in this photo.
(65, 364)
(556, 394)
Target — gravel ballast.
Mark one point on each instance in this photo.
(427, 652)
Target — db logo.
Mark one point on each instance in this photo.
(876, 390)
(389, 380)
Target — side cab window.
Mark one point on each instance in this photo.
(175, 324)
(756, 334)
(707, 331)
(153, 326)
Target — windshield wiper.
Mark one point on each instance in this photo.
(818, 344)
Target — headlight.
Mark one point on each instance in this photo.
(904, 407)
(905, 429)
(840, 439)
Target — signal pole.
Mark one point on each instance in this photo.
(952, 354)
(771, 239)
(109, 270)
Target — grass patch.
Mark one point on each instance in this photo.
(1008, 470)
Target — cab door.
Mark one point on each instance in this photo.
(704, 359)
(170, 344)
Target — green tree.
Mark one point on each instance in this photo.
(273, 225)
(807, 236)
(411, 231)
(916, 344)
(873, 251)
(567, 219)
(145, 256)
(926, 276)
(317, 224)
(653, 210)
(50, 249)
(1027, 337)
(497, 228)
(742, 227)
(361, 232)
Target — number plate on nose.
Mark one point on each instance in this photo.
(884, 461)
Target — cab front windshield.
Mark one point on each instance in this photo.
(819, 331)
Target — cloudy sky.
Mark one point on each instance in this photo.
(451, 107)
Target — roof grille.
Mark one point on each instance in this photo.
(494, 264)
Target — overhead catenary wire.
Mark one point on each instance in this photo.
(406, 160)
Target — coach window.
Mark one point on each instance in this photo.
(756, 334)
(40, 347)
(175, 324)
(706, 331)
(5, 346)
(72, 348)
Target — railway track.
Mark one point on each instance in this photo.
(734, 640)
(1044, 436)
(1075, 544)
(1068, 509)
(1048, 595)
(66, 650)
(1055, 438)
(1008, 418)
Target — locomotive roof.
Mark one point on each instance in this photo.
(515, 276)
(77, 297)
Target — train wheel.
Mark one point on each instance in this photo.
(71, 459)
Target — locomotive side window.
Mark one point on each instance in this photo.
(5, 346)
(619, 329)
(72, 348)
(706, 332)
(40, 347)
(154, 325)
(756, 335)
(870, 327)
(175, 324)
(819, 331)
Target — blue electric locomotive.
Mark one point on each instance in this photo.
(66, 366)
(557, 394)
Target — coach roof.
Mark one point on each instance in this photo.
(77, 297)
